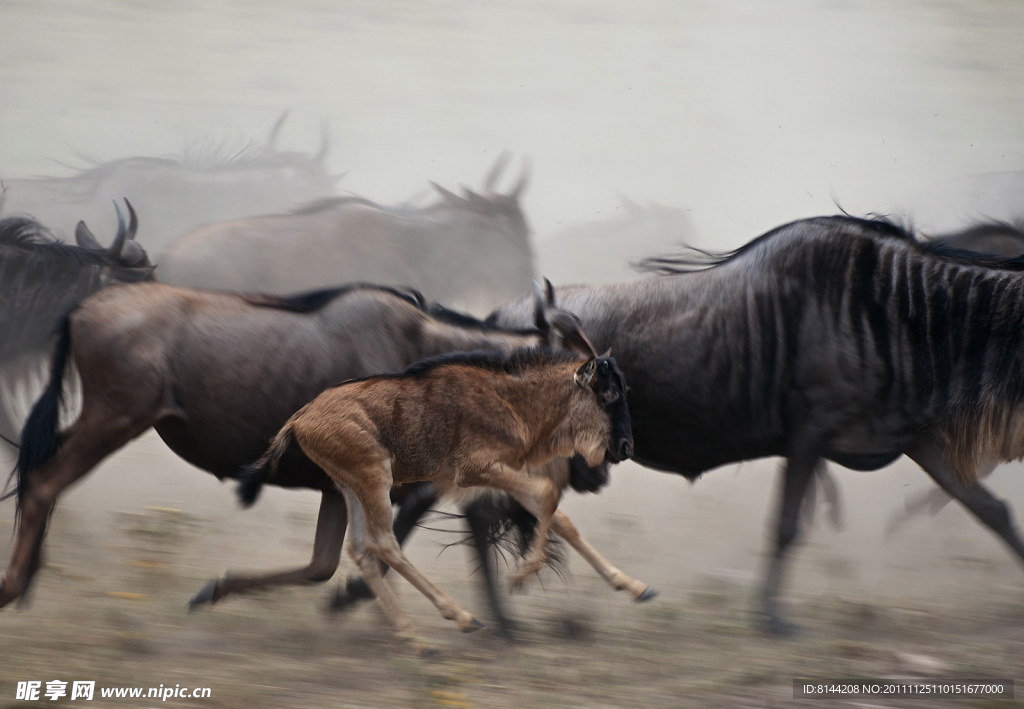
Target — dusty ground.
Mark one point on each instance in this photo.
(745, 117)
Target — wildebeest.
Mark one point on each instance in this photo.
(41, 279)
(206, 183)
(469, 252)
(829, 338)
(458, 421)
(217, 375)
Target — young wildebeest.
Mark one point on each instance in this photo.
(217, 375)
(41, 279)
(457, 421)
(835, 338)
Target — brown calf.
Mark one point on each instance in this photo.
(459, 421)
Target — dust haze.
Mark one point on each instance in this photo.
(727, 119)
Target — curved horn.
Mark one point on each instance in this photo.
(133, 220)
(524, 180)
(275, 130)
(550, 292)
(495, 172)
(118, 243)
(540, 319)
(85, 238)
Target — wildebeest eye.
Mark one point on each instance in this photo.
(609, 395)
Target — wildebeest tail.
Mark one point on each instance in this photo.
(253, 476)
(40, 437)
(512, 529)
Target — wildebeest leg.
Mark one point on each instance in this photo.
(93, 437)
(537, 494)
(371, 568)
(795, 479)
(993, 512)
(478, 526)
(330, 534)
(933, 501)
(373, 490)
(413, 507)
(616, 579)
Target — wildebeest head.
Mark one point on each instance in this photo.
(127, 260)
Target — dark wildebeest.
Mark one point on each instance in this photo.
(830, 338)
(41, 279)
(469, 252)
(207, 183)
(464, 420)
(217, 375)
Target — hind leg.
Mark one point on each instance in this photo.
(993, 512)
(330, 534)
(410, 511)
(91, 439)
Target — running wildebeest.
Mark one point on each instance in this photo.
(207, 183)
(217, 375)
(469, 252)
(458, 421)
(41, 279)
(830, 338)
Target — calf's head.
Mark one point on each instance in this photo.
(604, 387)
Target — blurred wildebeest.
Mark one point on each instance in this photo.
(207, 183)
(41, 280)
(471, 251)
(830, 338)
(612, 244)
(217, 375)
(477, 419)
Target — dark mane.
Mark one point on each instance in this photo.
(695, 259)
(311, 301)
(30, 238)
(515, 362)
(468, 322)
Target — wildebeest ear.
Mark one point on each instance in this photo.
(85, 238)
(585, 373)
(607, 353)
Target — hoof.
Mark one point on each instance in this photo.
(474, 625)
(205, 595)
(647, 595)
(779, 627)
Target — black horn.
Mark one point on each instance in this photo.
(122, 234)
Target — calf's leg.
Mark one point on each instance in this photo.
(327, 543)
(410, 511)
(616, 579)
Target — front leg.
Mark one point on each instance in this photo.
(616, 579)
(537, 494)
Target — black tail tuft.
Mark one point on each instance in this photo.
(250, 483)
(40, 438)
(512, 529)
